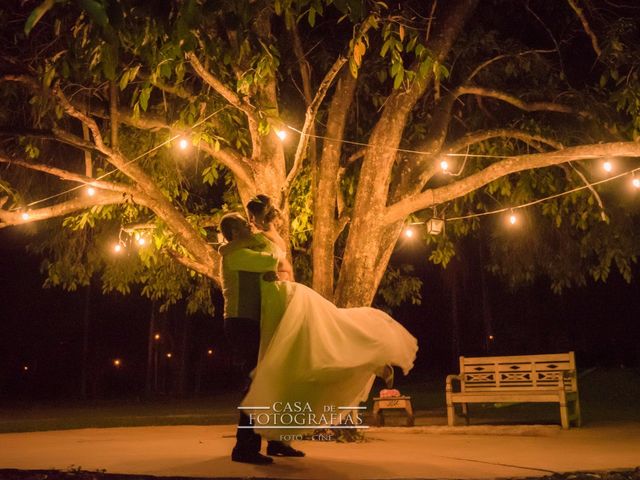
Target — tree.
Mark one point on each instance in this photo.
(103, 87)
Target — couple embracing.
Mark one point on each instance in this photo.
(300, 348)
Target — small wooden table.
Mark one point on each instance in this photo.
(401, 402)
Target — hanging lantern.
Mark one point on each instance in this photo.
(435, 226)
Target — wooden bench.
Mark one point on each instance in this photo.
(527, 378)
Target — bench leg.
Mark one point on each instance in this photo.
(576, 413)
(564, 415)
(450, 415)
(465, 413)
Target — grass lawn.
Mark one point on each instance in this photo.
(606, 395)
(61, 415)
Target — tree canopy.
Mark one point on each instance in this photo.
(140, 123)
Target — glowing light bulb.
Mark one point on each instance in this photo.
(25, 368)
(281, 134)
(91, 191)
(209, 352)
(169, 355)
(117, 362)
(183, 143)
(408, 232)
(141, 241)
(157, 336)
(513, 219)
(25, 216)
(636, 182)
(607, 166)
(444, 165)
(490, 337)
(117, 248)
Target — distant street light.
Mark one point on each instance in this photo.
(117, 363)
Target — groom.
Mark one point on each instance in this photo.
(242, 271)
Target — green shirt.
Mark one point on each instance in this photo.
(241, 274)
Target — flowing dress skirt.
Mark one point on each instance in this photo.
(317, 358)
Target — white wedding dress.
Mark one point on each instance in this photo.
(315, 358)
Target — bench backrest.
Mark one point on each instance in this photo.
(523, 372)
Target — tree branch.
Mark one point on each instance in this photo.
(587, 28)
(516, 102)
(210, 272)
(591, 188)
(177, 90)
(114, 113)
(235, 162)
(70, 176)
(83, 117)
(10, 218)
(430, 197)
(482, 135)
(305, 74)
(309, 120)
(230, 158)
(231, 97)
(28, 80)
(485, 64)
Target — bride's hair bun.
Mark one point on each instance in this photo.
(262, 206)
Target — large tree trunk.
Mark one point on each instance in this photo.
(369, 243)
(324, 208)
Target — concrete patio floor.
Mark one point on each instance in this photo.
(419, 452)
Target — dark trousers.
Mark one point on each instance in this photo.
(244, 336)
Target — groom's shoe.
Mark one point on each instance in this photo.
(255, 458)
(279, 449)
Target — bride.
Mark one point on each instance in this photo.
(315, 359)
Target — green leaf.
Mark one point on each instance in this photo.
(386, 46)
(37, 14)
(145, 93)
(397, 82)
(96, 11)
(312, 16)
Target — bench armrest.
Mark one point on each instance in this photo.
(450, 379)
